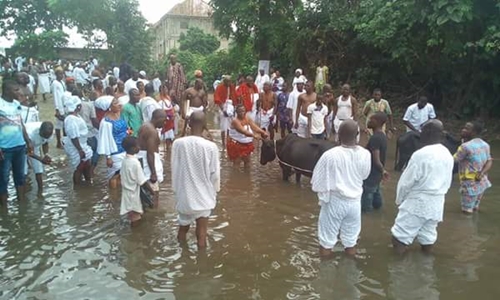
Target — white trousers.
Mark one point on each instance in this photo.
(408, 226)
(339, 217)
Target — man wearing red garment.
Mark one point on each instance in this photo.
(224, 97)
(246, 94)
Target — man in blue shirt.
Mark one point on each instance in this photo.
(14, 141)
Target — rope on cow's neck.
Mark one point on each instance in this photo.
(287, 164)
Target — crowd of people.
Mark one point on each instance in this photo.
(123, 116)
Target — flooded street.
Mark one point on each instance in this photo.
(71, 244)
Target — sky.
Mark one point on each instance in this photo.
(152, 10)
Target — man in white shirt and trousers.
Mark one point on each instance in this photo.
(195, 179)
(421, 191)
(338, 180)
(418, 113)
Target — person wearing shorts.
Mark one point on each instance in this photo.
(195, 179)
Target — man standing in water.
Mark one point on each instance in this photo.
(14, 143)
(377, 104)
(377, 145)
(39, 134)
(301, 121)
(58, 89)
(421, 191)
(344, 108)
(266, 109)
(195, 179)
(132, 113)
(149, 145)
(194, 99)
(176, 79)
(338, 181)
(225, 98)
(475, 161)
(293, 100)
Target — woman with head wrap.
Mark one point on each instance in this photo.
(112, 130)
(75, 143)
(299, 77)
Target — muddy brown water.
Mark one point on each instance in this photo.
(71, 244)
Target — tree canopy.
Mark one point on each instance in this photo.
(446, 49)
(125, 28)
(197, 41)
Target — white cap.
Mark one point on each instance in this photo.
(143, 73)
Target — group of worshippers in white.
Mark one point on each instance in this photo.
(195, 160)
(338, 177)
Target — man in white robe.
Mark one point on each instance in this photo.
(338, 180)
(261, 78)
(421, 191)
(75, 142)
(58, 89)
(293, 101)
(195, 179)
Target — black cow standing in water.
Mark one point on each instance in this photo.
(295, 154)
(409, 142)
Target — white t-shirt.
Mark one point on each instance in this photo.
(148, 106)
(33, 131)
(340, 172)
(293, 100)
(318, 114)
(130, 84)
(75, 128)
(417, 117)
(260, 80)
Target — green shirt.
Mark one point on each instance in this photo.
(373, 107)
(132, 114)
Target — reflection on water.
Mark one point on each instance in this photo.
(71, 244)
(413, 277)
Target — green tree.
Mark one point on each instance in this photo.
(269, 24)
(126, 32)
(40, 45)
(197, 41)
(24, 17)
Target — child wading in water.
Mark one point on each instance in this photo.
(132, 178)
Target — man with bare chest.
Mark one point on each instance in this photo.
(149, 154)
(267, 109)
(301, 120)
(194, 99)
